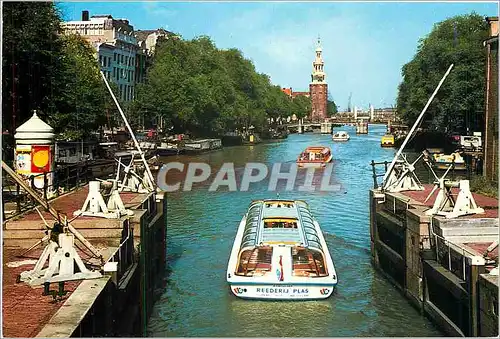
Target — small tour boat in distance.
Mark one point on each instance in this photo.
(387, 140)
(340, 136)
(315, 156)
(279, 252)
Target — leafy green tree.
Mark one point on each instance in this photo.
(32, 57)
(457, 40)
(198, 88)
(82, 99)
(301, 106)
(55, 74)
(331, 108)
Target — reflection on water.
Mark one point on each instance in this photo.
(200, 233)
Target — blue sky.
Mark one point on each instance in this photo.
(364, 44)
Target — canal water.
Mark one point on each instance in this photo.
(202, 225)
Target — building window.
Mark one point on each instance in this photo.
(126, 60)
(122, 59)
(114, 56)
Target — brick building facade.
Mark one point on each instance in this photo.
(490, 169)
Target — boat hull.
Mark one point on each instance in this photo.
(340, 139)
(282, 292)
(167, 151)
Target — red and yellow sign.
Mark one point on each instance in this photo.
(40, 159)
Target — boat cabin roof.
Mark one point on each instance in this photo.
(280, 222)
(321, 149)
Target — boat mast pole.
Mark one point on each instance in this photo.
(408, 136)
(148, 170)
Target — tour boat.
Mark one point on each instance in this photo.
(280, 253)
(315, 156)
(387, 140)
(443, 161)
(340, 136)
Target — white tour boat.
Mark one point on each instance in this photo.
(340, 136)
(280, 253)
(315, 156)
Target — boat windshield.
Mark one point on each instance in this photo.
(255, 262)
(308, 263)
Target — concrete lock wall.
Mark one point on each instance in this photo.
(123, 307)
(436, 276)
(488, 306)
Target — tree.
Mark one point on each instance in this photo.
(82, 99)
(55, 74)
(32, 56)
(457, 40)
(331, 108)
(198, 88)
(301, 106)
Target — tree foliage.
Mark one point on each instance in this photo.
(457, 40)
(331, 108)
(198, 88)
(82, 98)
(55, 74)
(32, 54)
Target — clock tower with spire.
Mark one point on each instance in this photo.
(318, 87)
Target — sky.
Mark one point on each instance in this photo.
(365, 44)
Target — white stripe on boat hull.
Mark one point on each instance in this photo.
(284, 292)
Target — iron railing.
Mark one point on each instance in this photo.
(376, 175)
(455, 263)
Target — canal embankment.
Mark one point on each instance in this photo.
(116, 304)
(446, 267)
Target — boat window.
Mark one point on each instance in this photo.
(280, 223)
(256, 261)
(251, 225)
(279, 204)
(308, 263)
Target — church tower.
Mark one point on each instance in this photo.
(318, 87)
